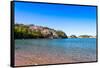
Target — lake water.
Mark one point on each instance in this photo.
(74, 49)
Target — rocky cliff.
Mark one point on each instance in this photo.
(33, 31)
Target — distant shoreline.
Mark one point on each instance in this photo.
(32, 31)
(54, 38)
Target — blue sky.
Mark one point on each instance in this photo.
(77, 20)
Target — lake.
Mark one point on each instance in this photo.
(51, 51)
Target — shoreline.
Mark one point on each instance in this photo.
(57, 38)
(29, 59)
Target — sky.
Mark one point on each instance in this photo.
(72, 19)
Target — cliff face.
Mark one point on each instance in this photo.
(32, 31)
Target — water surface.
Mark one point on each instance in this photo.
(62, 50)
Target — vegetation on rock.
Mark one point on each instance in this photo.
(22, 31)
(31, 31)
(86, 36)
(73, 36)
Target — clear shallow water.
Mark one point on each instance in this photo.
(79, 50)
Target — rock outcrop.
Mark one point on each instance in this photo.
(33, 31)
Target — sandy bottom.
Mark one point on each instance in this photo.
(25, 58)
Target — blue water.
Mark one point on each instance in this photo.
(78, 49)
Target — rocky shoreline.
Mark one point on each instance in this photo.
(33, 31)
(22, 31)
